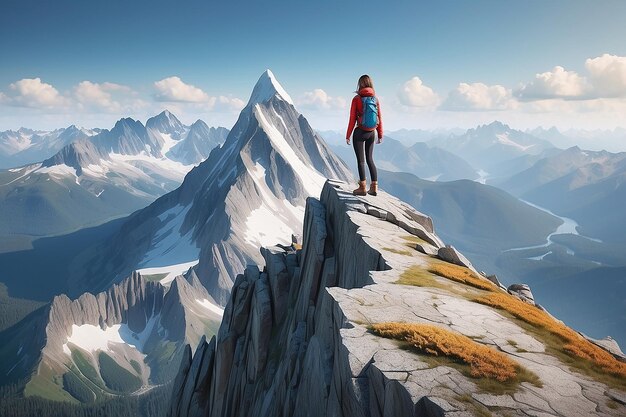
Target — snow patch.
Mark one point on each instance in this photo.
(483, 175)
(168, 246)
(57, 171)
(93, 338)
(264, 227)
(312, 180)
(28, 170)
(172, 271)
(433, 178)
(168, 142)
(211, 307)
(271, 223)
(94, 170)
(160, 164)
(504, 139)
(266, 88)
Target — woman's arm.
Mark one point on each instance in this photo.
(379, 128)
(352, 120)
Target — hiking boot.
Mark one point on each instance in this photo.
(373, 188)
(362, 190)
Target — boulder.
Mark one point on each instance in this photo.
(522, 291)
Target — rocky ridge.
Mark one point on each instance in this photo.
(140, 323)
(295, 337)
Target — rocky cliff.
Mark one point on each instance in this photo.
(123, 341)
(312, 333)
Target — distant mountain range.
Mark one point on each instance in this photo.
(489, 146)
(250, 191)
(94, 178)
(425, 161)
(203, 200)
(165, 270)
(589, 186)
(595, 140)
(503, 235)
(26, 146)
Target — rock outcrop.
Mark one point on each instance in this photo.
(143, 325)
(296, 339)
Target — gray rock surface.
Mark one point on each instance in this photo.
(450, 254)
(320, 357)
(523, 292)
(155, 325)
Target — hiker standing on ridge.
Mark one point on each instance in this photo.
(365, 113)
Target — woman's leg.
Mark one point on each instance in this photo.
(369, 152)
(359, 150)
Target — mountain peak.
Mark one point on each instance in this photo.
(496, 124)
(267, 87)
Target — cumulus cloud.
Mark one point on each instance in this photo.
(174, 89)
(32, 92)
(318, 99)
(227, 104)
(477, 97)
(89, 94)
(558, 83)
(607, 74)
(414, 93)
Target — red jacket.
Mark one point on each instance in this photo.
(356, 113)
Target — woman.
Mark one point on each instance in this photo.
(365, 113)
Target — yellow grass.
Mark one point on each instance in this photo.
(461, 274)
(483, 361)
(398, 251)
(420, 277)
(573, 343)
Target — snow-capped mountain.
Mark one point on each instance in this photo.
(488, 147)
(249, 192)
(195, 148)
(26, 146)
(122, 341)
(110, 174)
(130, 337)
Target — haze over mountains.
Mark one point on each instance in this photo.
(91, 179)
(203, 200)
(128, 339)
(582, 241)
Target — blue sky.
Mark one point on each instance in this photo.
(317, 49)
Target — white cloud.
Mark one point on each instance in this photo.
(607, 73)
(318, 99)
(414, 93)
(478, 97)
(174, 89)
(226, 104)
(89, 94)
(573, 107)
(32, 92)
(558, 83)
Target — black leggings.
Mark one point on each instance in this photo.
(363, 143)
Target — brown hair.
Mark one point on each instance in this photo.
(364, 81)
